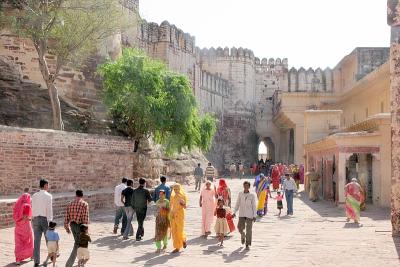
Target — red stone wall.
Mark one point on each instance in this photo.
(68, 160)
(96, 200)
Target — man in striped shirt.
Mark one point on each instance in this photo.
(210, 172)
(77, 213)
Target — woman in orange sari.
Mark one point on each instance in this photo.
(23, 234)
(178, 205)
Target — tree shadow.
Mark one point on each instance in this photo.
(113, 242)
(236, 255)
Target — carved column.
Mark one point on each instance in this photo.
(393, 18)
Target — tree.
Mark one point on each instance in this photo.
(68, 29)
(145, 99)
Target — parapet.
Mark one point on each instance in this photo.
(234, 53)
(151, 32)
(310, 80)
(214, 84)
(271, 63)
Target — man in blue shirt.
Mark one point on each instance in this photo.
(163, 187)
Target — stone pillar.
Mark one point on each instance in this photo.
(299, 144)
(378, 191)
(341, 178)
(393, 18)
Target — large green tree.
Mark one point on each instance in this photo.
(68, 29)
(145, 99)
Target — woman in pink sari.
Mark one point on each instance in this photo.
(23, 234)
(207, 203)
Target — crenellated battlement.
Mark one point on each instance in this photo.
(214, 84)
(310, 80)
(151, 32)
(234, 53)
(271, 63)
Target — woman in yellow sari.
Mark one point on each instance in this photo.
(178, 204)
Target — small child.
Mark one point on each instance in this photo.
(221, 225)
(83, 252)
(52, 238)
(279, 203)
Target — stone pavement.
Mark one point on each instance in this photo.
(317, 235)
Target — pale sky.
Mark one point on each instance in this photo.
(310, 33)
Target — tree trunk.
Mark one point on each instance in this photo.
(49, 79)
(55, 106)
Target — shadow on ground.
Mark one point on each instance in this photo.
(327, 208)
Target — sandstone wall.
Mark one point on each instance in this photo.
(96, 200)
(69, 160)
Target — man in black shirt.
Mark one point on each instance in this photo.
(141, 197)
(127, 199)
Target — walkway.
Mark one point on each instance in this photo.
(317, 235)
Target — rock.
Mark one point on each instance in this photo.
(25, 104)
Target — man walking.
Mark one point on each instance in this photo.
(126, 198)
(119, 210)
(198, 175)
(210, 172)
(289, 188)
(42, 214)
(77, 213)
(141, 197)
(162, 187)
(246, 204)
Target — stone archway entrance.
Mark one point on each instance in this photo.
(268, 149)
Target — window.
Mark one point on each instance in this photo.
(366, 113)
(354, 117)
(382, 107)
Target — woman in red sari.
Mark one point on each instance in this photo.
(23, 234)
(224, 193)
(276, 177)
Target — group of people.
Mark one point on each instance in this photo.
(33, 215)
(33, 218)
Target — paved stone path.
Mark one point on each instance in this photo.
(317, 235)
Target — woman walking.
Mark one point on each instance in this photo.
(262, 195)
(23, 234)
(207, 204)
(353, 200)
(178, 206)
(162, 221)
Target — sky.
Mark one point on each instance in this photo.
(310, 33)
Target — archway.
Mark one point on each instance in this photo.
(266, 149)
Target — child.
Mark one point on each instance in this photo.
(52, 238)
(83, 252)
(221, 225)
(279, 203)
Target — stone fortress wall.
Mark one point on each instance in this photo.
(230, 82)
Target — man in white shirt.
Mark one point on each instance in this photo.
(246, 204)
(42, 213)
(119, 210)
(289, 187)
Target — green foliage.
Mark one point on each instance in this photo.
(73, 28)
(145, 99)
